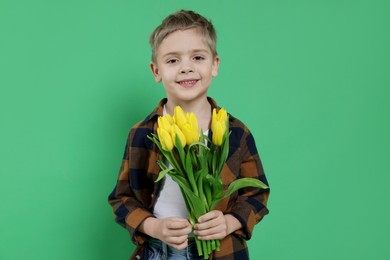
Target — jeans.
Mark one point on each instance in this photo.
(157, 250)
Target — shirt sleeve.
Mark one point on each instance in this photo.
(250, 206)
(131, 196)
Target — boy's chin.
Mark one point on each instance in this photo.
(191, 98)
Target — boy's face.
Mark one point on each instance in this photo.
(185, 65)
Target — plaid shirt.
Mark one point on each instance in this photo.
(135, 193)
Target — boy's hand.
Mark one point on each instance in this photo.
(172, 231)
(216, 225)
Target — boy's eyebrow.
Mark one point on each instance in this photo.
(201, 50)
(174, 53)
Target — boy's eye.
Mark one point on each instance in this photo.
(171, 61)
(198, 58)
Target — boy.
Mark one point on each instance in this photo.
(184, 59)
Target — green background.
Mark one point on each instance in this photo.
(310, 78)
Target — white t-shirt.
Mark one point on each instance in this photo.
(170, 202)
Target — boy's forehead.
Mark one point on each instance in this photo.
(183, 41)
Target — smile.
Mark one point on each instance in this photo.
(187, 83)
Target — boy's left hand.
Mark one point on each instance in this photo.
(216, 225)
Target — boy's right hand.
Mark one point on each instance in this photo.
(172, 231)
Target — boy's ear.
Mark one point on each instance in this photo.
(215, 66)
(155, 71)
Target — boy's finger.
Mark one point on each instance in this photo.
(177, 233)
(178, 224)
(214, 222)
(210, 215)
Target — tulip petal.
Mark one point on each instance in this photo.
(177, 132)
(163, 122)
(219, 124)
(165, 139)
(169, 118)
(179, 116)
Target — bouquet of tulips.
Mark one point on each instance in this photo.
(196, 164)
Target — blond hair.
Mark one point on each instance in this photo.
(183, 20)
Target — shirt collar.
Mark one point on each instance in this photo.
(158, 111)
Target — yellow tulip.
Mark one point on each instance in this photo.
(221, 116)
(165, 139)
(219, 125)
(214, 119)
(190, 129)
(177, 132)
(179, 116)
(218, 132)
(169, 118)
(191, 135)
(191, 118)
(165, 122)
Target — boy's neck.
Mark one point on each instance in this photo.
(202, 110)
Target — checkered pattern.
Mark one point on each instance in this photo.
(135, 193)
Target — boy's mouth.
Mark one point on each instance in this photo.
(188, 83)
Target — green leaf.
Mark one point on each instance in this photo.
(181, 181)
(198, 174)
(193, 152)
(195, 201)
(190, 173)
(201, 189)
(224, 152)
(244, 182)
(216, 186)
(207, 192)
(180, 150)
(175, 162)
(200, 145)
(214, 162)
(162, 164)
(190, 208)
(162, 174)
(239, 184)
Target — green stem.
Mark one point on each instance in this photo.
(199, 246)
(207, 190)
(177, 165)
(205, 249)
(213, 245)
(190, 173)
(202, 191)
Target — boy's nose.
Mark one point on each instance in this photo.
(186, 68)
